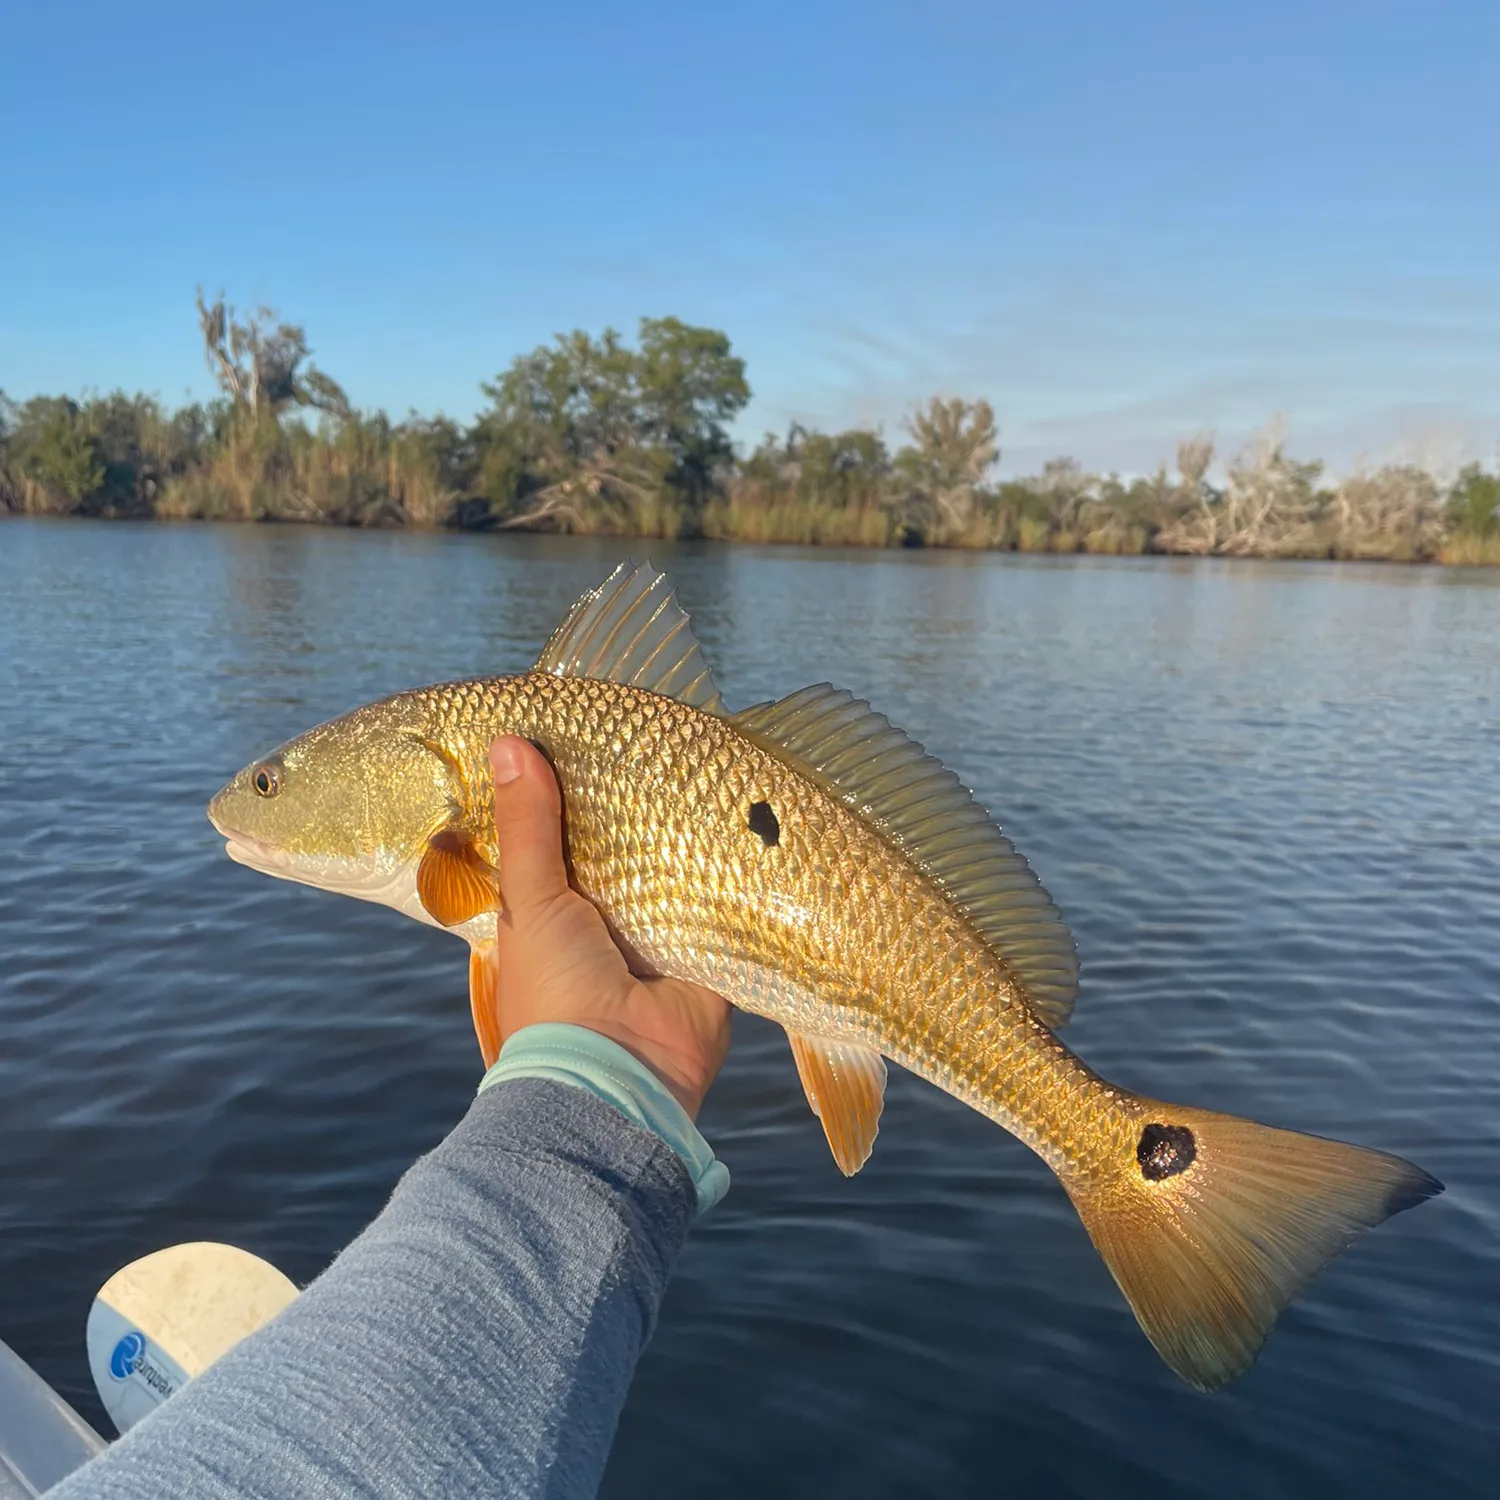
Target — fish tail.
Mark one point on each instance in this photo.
(1211, 1224)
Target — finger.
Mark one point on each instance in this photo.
(528, 827)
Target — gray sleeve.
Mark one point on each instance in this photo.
(477, 1339)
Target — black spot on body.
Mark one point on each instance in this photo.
(763, 822)
(1165, 1150)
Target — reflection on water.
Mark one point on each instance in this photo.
(1264, 796)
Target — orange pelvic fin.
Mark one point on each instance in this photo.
(845, 1085)
(484, 996)
(455, 882)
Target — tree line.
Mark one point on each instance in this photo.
(601, 434)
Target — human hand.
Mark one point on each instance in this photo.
(557, 960)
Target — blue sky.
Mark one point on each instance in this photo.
(1121, 223)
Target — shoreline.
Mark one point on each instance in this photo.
(595, 436)
(1441, 558)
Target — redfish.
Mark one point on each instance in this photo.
(814, 865)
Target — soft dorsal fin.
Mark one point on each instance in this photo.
(631, 629)
(889, 779)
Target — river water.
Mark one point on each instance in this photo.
(1264, 795)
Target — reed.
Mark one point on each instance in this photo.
(745, 518)
(361, 473)
(1033, 534)
(1470, 549)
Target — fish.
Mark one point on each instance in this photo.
(814, 865)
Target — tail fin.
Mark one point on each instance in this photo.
(1211, 1224)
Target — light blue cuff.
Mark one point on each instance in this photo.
(585, 1060)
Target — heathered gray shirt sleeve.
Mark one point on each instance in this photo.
(477, 1339)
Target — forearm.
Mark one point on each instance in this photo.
(478, 1338)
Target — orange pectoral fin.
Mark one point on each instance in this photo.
(845, 1085)
(454, 882)
(484, 997)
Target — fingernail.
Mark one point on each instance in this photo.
(505, 760)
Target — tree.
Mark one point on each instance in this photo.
(689, 385)
(1393, 511)
(1270, 500)
(1196, 525)
(1066, 490)
(588, 432)
(1270, 504)
(1474, 503)
(259, 363)
(563, 442)
(55, 451)
(826, 471)
(954, 447)
(1195, 455)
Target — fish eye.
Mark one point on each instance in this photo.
(266, 779)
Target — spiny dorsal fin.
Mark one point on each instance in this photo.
(845, 1087)
(888, 778)
(631, 629)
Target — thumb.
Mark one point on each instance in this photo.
(528, 826)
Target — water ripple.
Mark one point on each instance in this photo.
(1263, 795)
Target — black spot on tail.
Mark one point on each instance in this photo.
(763, 822)
(1165, 1150)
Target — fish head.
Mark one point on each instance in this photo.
(349, 806)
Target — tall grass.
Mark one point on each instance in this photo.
(748, 517)
(1468, 548)
(125, 456)
(359, 473)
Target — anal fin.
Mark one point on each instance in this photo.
(845, 1085)
(484, 996)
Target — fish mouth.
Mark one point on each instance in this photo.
(246, 849)
(378, 880)
(256, 855)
